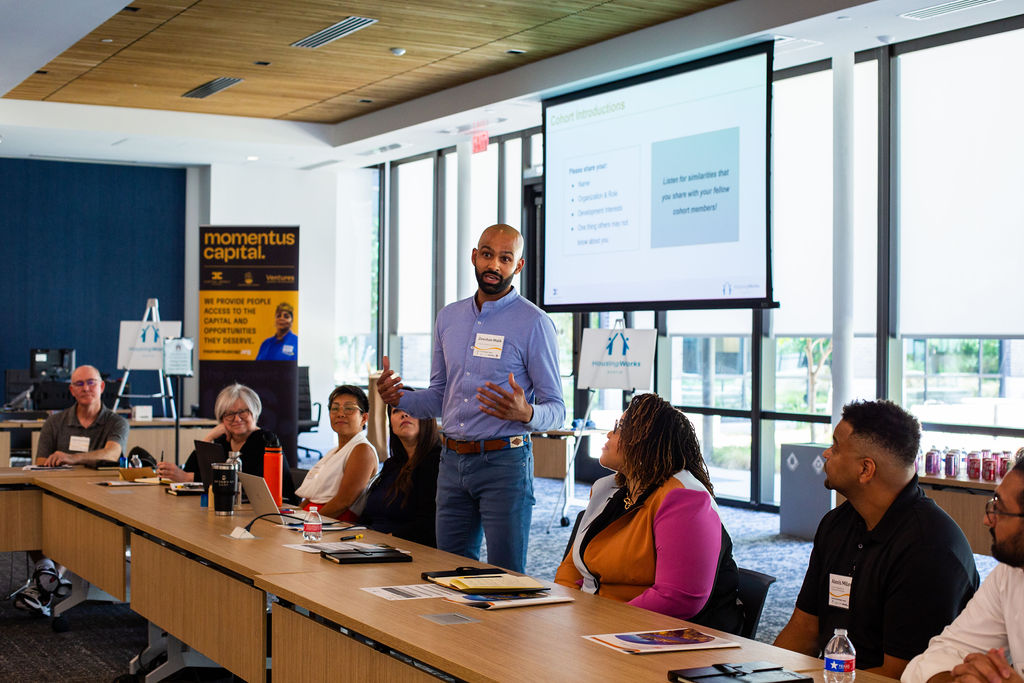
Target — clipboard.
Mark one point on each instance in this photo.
(750, 672)
(487, 580)
(365, 555)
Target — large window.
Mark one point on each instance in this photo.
(961, 320)
(356, 308)
(413, 242)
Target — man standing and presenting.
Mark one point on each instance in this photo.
(888, 565)
(989, 634)
(493, 380)
(87, 433)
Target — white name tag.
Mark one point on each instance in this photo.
(488, 345)
(79, 444)
(839, 590)
(288, 350)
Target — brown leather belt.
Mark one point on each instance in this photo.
(470, 447)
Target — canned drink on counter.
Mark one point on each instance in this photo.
(1004, 465)
(974, 465)
(989, 469)
(933, 463)
(952, 468)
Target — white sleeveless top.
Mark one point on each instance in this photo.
(321, 484)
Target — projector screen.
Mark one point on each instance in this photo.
(656, 189)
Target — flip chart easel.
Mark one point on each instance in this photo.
(152, 359)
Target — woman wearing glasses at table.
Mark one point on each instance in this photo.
(335, 482)
(237, 409)
(651, 535)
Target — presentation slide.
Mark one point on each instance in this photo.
(656, 191)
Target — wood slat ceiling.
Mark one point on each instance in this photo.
(156, 50)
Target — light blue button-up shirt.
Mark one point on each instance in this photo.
(528, 350)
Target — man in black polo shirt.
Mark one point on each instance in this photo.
(888, 565)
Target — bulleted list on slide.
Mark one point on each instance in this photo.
(602, 202)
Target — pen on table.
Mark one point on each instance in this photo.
(353, 537)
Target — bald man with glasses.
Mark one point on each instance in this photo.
(986, 642)
(87, 433)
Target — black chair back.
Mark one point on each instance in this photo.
(753, 589)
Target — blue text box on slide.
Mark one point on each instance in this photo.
(695, 189)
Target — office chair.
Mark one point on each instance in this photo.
(307, 423)
(753, 589)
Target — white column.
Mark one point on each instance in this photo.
(842, 233)
(467, 235)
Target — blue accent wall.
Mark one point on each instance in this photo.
(84, 246)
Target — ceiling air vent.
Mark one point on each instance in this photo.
(331, 33)
(945, 8)
(211, 87)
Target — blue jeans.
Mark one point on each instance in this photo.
(488, 493)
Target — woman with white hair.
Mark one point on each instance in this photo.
(237, 410)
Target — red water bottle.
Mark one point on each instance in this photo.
(272, 471)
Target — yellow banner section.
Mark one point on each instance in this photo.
(233, 324)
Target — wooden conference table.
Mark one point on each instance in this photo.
(210, 592)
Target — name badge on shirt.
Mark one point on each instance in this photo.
(79, 444)
(288, 350)
(839, 590)
(488, 345)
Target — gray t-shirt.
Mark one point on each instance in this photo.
(59, 428)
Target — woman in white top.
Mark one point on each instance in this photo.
(336, 481)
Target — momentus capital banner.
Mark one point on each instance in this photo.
(247, 277)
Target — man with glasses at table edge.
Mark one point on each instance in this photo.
(986, 642)
(87, 433)
(494, 379)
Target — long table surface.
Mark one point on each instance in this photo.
(532, 643)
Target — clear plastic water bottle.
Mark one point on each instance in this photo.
(313, 526)
(840, 659)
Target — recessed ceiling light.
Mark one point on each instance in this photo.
(398, 51)
(107, 40)
(252, 158)
(515, 51)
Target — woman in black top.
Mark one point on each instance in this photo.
(400, 501)
(237, 409)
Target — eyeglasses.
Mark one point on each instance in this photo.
(347, 409)
(86, 383)
(618, 424)
(240, 414)
(991, 511)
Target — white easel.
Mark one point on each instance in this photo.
(166, 392)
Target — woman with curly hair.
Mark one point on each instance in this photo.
(651, 535)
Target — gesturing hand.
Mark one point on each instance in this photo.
(505, 405)
(389, 386)
(986, 667)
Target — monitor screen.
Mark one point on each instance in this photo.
(656, 189)
(51, 363)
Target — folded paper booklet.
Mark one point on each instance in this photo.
(499, 582)
(506, 600)
(643, 642)
(136, 473)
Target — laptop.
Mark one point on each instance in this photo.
(206, 454)
(258, 493)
